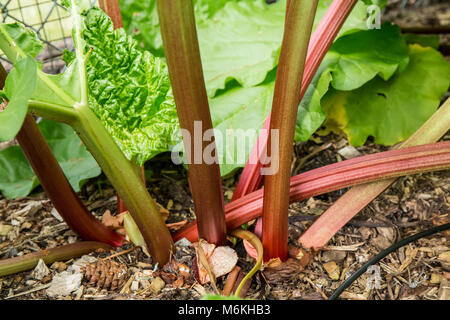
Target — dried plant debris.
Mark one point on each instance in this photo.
(282, 272)
(64, 283)
(214, 261)
(420, 270)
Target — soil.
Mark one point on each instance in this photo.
(420, 270)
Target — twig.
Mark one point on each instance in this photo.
(231, 280)
(205, 264)
(29, 291)
(119, 254)
(128, 284)
(317, 288)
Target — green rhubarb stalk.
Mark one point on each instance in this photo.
(127, 182)
(52, 111)
(353, 201)
(122, 173)
(298, 27)
(63, 253)
(56, 185)
(182, 51)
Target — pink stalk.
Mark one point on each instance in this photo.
(297, 32)
(346, 207)
(370, 168)
(321, 40)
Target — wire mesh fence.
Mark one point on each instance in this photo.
(51, 22)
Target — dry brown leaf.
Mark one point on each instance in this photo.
(435, 278)
(300, 254)
(5, 229)
(163, 211)
(113, 222)
(332, 269)
(410, 255)
(273, 263)
(176, 225)
(179, 282)
(221, 260)
(184, 270)
(285, 271)
(445, 257)
(157, 284)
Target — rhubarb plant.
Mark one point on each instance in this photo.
(77, 98)
(240, 66)
(241, 91)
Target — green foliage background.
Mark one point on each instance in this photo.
(376, 83)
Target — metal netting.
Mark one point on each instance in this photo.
(51, 22)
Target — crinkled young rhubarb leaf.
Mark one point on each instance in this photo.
(129, 90)
(392, 110)
(19, 86)
(17, 178)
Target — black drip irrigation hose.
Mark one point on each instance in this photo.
(383, 254)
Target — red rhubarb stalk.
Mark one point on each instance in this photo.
(112, 9)
(297, 32)
(353, 201)
(369, 168)
(181, 47)
(320, 42)
(56, 185)
(58, 188)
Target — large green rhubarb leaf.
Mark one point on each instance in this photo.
(17, 178)
(241, 42)
(392, 110)
(377, 52)
(20, 85)
(353, 60)
(237, 115)
(239, 39)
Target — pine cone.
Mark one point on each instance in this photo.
(106, 274)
